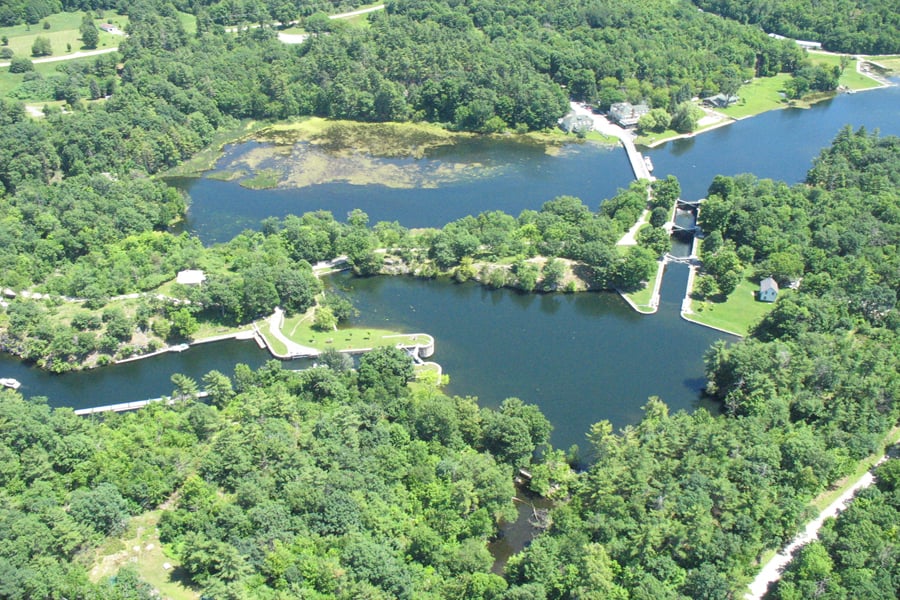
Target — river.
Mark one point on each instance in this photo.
(581, 358)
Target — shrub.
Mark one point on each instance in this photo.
(20, 64)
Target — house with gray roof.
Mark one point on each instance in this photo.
(768, 290)
(627, 114)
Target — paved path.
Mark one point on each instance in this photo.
(73, 56)
(630, 237)
(360, 11)
(771, 571)
(276, 322)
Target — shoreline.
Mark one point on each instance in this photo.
(728, 120)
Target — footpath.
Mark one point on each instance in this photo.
(771, 571)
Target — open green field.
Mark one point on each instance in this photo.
(10, 81)
(736, 314)
(850, 77)
(189, 22)
(63, 33)
(298, 328)
(760, 95)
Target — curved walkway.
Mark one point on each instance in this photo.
(771, 571)
(294, 350)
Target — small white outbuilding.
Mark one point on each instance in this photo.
(190, 277)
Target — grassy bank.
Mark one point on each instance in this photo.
(849, 78)
(890, 63)
(735, 314)
(642, 297)
(298, 329)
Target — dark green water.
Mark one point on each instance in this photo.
(582, 357)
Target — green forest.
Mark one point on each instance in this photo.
(855, 26)
(346, 481)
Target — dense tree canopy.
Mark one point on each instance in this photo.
(340, 483)
(855, 26)
(310, 483)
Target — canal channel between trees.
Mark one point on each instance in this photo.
(580, 357)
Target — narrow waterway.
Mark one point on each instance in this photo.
(582, 357)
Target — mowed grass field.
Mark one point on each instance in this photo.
(737, 314)
(850, 77)
(63, 33)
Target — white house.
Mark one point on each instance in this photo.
(190, 277)
(768, 290)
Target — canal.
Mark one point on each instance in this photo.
(580, 357)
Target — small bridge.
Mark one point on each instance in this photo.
(679, 203)
(682, 260)
(125, 406)
(681, 229)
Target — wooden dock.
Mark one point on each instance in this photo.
(125, 406)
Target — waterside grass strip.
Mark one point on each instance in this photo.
(736, 315)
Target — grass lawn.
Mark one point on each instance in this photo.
(298, 328)
(891, 63)
(642, 297)
(63, 33)
(737, 314)
(10, 81)
(139, 547)
(652, 138)
(849, 78)
(596, 136)
(189, 22)
(758, 96)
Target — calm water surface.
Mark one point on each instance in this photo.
(779, 144)
(583, 357)
(521, 176)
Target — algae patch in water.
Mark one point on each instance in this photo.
(397, 155)
(344, 138)
(263, 179)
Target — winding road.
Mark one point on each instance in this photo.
(771, 571)
(73, 56)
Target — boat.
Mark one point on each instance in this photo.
(648, 163)
(10, 383)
